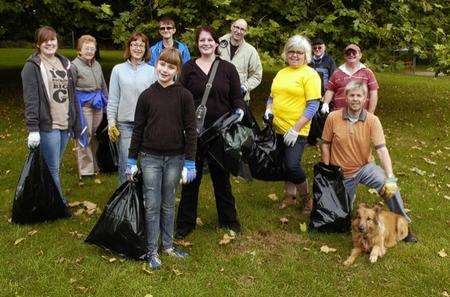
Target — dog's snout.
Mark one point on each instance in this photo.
(361, 228)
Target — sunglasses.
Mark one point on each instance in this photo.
(317, 47)
(351, 53)
(163, 28)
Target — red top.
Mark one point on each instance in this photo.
(341, 78)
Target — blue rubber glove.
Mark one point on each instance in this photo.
(131, 168)
(240, 112)
(189, 172)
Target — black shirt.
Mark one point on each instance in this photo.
(225, 94)
(164, 122)
(233, 49)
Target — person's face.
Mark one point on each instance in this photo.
(355, 100)
(49, 47)
(87, 51)
(238, 30)
(295, 58)
(137, 49)
(352, 56)
(206, 43)
(166, 30)
(166, 72)
(318, 49)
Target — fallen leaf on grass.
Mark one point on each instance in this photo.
(89, 205)
(442, 253)
(326, 249)
(445, 294)
(429, 161)
(79, 212)
(306, 249)
(372, 191)
(79, 260)
(145, 269)
(447, 197)
(110, 260)
(148, 295)
(76, 234)
(72, 280)
(407, 210)
(32, 232)
(303, 227)
(284, 220)
(199, 221)
(176, 271)
(97, 181)
(418, 171)
(82, 289)
(10, 220)
(74, 204)
(221, 269)
(19, 240)
(60, 260)
(183, 243)
(273, 197)
(226, 239)
(40, 253)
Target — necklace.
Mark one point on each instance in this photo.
(53, 63)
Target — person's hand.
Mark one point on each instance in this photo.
(132, 169)
(240, 112)
(243, 90)
(34, 138)
(113, 132)
(325, 108)
(189, 173)
(390, 187)
(290, 137)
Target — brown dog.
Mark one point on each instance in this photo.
(374, 230)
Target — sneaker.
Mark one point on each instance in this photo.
(154, 262)
(410, 238)
(176, 253)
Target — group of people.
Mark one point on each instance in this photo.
(152, 108)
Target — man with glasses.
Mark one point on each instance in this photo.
(351, 70)
(166, 27)
(322, 62)
(245, 58)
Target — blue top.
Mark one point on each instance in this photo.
(127, 82)
(156, 49)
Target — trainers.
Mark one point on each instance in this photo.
(176, 253)
(154, 262)
(410, 238)
(182, 233)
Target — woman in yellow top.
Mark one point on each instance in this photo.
(294, 99)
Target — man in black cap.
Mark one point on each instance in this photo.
(322, 62)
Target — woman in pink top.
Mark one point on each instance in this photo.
(351, 70)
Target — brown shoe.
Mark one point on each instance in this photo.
(307, 205)
(288, 201)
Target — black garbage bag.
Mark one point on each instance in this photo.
(37, 198)
(331, 205)
(223, 142)
(121, 226)
(265, 158)
(317, 124)
(107, 151)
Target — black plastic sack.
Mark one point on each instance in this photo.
(121, 226)
(107, 151)
(265, 158)
(37, 198)
(331, 205)
(317, 124)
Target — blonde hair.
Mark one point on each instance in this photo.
(85, 39)
(295, 43)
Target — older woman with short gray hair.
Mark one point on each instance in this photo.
(294, 99)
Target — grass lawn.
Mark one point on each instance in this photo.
(269, 258)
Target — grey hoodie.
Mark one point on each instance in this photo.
(35, 95)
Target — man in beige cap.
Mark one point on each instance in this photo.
(351, 70)
(245, 58)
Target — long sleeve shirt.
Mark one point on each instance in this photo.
(164, 122)
(127, 82)
(225, 94)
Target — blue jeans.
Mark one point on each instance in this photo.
(373, 176)
(161, 175)
(292, 156)
(126, 131)
(52, 147)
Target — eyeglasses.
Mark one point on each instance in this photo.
(298, 53)
(350, 53)
(137, 44)
(165, 28)
(319, 47)
(89, 49)
(239, 28)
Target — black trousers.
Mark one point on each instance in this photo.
(225, 202)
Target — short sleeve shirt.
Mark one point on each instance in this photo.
(291, 89)
(351, 143)
(340, 78)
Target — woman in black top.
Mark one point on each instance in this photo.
(225, 96)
